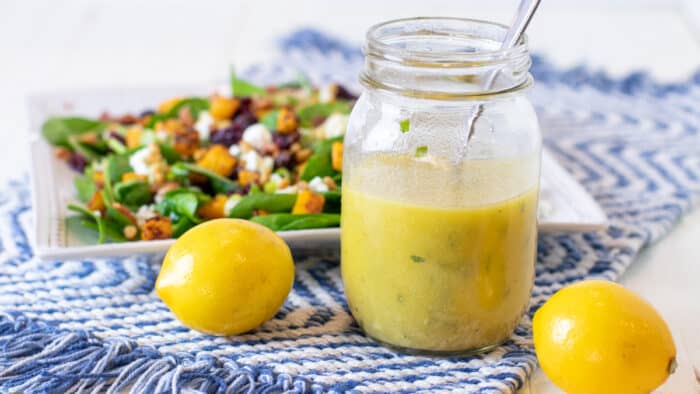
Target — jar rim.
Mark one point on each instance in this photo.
(377, 35)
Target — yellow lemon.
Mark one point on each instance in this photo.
(597, 337)
(226, 276)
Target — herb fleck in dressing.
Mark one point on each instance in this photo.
(430, 275)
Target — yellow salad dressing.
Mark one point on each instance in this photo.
(444, 267)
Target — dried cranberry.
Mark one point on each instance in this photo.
(245, 190)
(246, 102)
(344, 94)
(147, 112)
(117, 136)
(284, 141)
(226, 136)
(284, 159)
(77, 162)
(243, 120)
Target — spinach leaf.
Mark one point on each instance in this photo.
(307, 114)
(288, 221)
(320, 162)
(111, 231)
(241, 88)
(133, 193)
(195, 104)
(94, 217)
(168, 153)
(181, 226)
(332, 204)
(269, 202)
(84, 150)
(85, 186)
(270, 119)
(219, 183)
(116, 166)
(116, 217)
(181, 203)
(57, 130)
(116, 146)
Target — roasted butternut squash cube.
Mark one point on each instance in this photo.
(132, 176)
(213, 209)
(96, 202)
(337, 156)
(308, 202)
(98, 177)
(133, 137)
(218, 160)
(286, 121)
(157, 227)
(222, 108)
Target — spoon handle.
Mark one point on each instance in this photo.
(522, 19)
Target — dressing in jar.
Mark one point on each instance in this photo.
(439, 228)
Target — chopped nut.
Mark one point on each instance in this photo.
(261, 106)
(126, 212)
(246, 177)
(296, 147)
(171, 126)
(199, 153)
(302, 185)
(330, 183)
(62, 153)
(157, 227)
(286, 121)
(308, 202)
(127, 119)
(269, 149)
(89, 138)
(164, 188)
(130, 232)
(303, 155)
(185, 117)
(283, 183)
(186, 143)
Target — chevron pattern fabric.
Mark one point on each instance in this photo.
(97, 326)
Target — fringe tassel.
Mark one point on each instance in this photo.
(38, 358)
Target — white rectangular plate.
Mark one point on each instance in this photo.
(564, 204)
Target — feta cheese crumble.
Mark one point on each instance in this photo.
(257, 135)
(203, 125)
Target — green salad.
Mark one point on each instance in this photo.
(272, 155)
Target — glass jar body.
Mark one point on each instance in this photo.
(439, 230)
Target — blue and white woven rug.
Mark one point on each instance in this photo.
(96, 325)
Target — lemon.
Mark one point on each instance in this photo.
(226, 276)
(597, 337)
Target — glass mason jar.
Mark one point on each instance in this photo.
(439, 228)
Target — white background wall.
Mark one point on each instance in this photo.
(53, 44)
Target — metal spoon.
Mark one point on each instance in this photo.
(522, 19)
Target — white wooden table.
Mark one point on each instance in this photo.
(51, 45)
